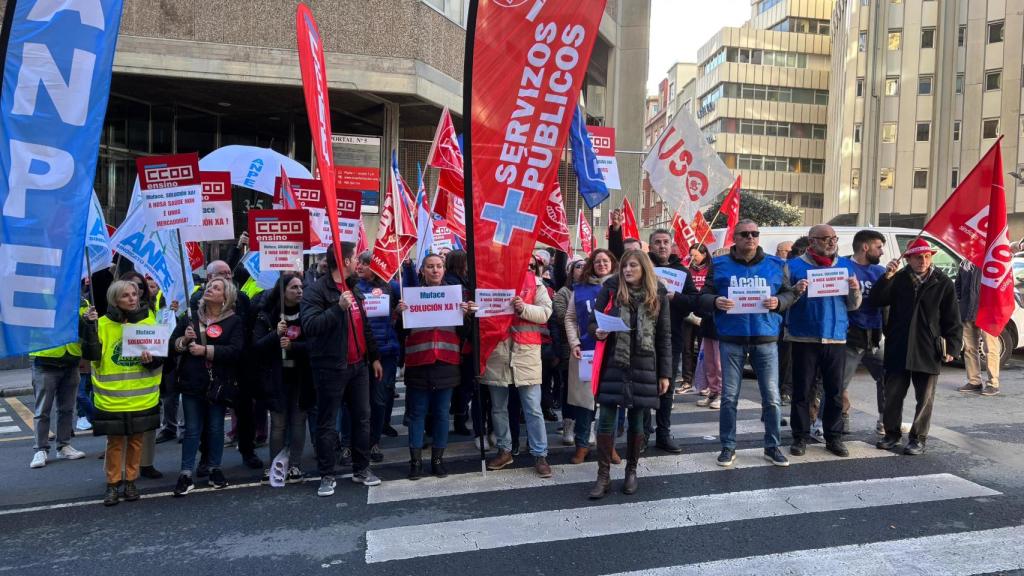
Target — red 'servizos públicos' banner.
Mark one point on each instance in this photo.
(314, 86)
(529, 59)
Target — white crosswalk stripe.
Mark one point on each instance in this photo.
(6, 419)
(417, 541)
(9, 429)
(956, 554)
(521, 478)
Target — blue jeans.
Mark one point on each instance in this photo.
(84, 406)
(202, 416)
(536, 431)
(764, 358)
(418, 403)
(382, 397)
(581, 427)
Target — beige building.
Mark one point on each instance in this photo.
(927, 87)
(762, 97)
(675, 93)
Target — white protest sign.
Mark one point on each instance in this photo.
(610, 323)
(673, 279)
(218, 215)
(586, 365)
(748, 299)
(377, 305)
(281, 256)
(139, 338)
(823, 282)
(172, 190)
(494, 302)
(432, 306)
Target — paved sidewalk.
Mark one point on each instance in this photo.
(15, 382)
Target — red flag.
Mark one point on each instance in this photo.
(963, 220)
(684, 236)
(396, 233)
(363, 244)
(702, 230)
(585, 233)
(995, 303)
(452, 208)
(629, 227)
(306, 195)
(314, 87)
(196, 259)
(527, 62)
(554, 226)
(731, 209)
(446, 155)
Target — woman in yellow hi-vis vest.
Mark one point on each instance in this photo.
(126, 390)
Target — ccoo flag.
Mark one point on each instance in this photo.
(53, 97)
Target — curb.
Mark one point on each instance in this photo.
(11, 392)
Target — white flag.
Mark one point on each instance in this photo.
(97, 240)
(154, 252)
(684, 169)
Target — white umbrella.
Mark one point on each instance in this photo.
(252, 167)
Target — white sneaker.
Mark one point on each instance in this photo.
(568, 437)
(818, 435)
(39, 460)
(68, 452)
(83, 424)
(716, 402)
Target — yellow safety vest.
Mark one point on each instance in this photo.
(122, 384)
(72, 348)
(251, 288)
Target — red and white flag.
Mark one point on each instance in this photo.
(629, 227)
(527, 62)
(396, 233)
(446, 156)
(554, 225)
(362, 244)
(684, 237)
(584, 233)
(973, 222)
(731, 209)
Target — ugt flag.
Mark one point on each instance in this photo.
(684, 169)
(526, 61)
(53, 98)
(584, 162)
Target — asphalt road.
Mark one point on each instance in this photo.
(957, 510)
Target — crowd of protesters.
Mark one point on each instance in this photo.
(304, 356)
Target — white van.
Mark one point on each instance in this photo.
(896, 241)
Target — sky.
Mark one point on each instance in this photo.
(680, 27)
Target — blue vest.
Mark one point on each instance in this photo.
(383, 328)
(867, 316)
(728, 272)
(824, 317)
(585, 299)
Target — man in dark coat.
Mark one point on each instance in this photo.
(923, 331)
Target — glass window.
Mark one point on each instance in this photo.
(927, 37)
(892, 86)
(955, 180)
(821, 97)
(990, 128)
(818, 132)
(885, 179)
(163, 129)
(817, 166)
(959, 83)
(924, 85)
(995, 32)
(888, 132)
(858, 130)
(924, 130)
(895, 39)
(956, 131)
(860, 87)
(855, 179)
(197, 131)
(961, 36)
(920, 179)
(862, 42)
(993, 80)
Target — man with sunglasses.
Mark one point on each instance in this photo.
(816, 326)
(747, 267)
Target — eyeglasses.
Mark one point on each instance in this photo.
(827, 239)
(749, 234)
(579, 265)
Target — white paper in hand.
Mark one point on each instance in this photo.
(610, 323)
(586, 365)
(824, 282)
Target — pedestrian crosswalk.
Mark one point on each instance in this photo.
(7, 423)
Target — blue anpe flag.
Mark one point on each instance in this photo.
(584, 162)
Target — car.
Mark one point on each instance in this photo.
(896, 241)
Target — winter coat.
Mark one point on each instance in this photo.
(968, 290)
(745, 329)
(635, 386)
(224, 354)
(519, 364)
(383, 327)
(580, 392)
(327, 326)
(924, 325)
(277, 382)
(560, 305)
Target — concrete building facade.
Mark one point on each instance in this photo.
(191, 76)
(762, 96)
(927, 87)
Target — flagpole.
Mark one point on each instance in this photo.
(184, 279)
(88, 269)
(467, 138)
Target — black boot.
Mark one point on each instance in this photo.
(112, 496)
(415, 463)
(437, 463)
(131, 493)
(633, 445)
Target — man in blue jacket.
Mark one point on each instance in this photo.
(816, 325)
(864, 335)
(748, 324)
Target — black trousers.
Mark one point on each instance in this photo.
(245, 410)
(785, 367)
(662, 417)
(897, 383)
(808, 359)
(350, 386)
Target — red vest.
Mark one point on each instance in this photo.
(426, 346)
(524, 332)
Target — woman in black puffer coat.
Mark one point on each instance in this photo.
(636, 366)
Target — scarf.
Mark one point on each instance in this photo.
(133, 317)
(819, 259)
(206, 320)
(642, 330)
(919, 279)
